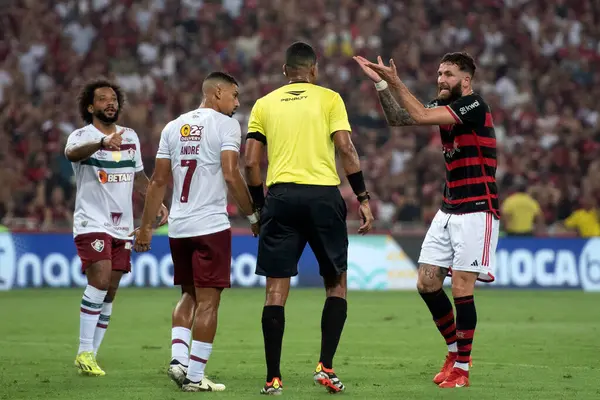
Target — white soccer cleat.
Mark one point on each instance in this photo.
(177, 373)
(205, 385)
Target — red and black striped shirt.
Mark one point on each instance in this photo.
(469, 148)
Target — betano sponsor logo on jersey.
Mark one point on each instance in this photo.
(106, 177)
(191, 133)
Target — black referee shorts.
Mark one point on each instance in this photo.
(294, 215)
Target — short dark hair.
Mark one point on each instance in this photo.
(221, 76)
(300, 55)
(462, 59)
(86, 97)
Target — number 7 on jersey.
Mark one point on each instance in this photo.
(185, 189)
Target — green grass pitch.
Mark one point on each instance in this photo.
(528, 345)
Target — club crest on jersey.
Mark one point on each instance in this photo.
(116, 155)
(98, 245)
(104, 177)
(131, 153)
(191, 132)
(116, 218)
(449, 149)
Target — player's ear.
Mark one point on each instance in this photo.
(284, 70)
(218, 92)
(90, 109)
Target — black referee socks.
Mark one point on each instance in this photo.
(273, 324)
(332, 325)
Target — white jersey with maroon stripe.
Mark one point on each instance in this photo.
(194, 142)
(105, 184)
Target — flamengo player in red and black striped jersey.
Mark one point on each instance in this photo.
(461, 241)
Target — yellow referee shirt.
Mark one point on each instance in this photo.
(586, 222)
(297, 121)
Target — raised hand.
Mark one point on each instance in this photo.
(114, 140)
(388, 74)
(363, 63)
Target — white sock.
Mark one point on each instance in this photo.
(463, 366)
(198, 359)
(102, 325)
(452, 348)
(91, 306)
(180, 344)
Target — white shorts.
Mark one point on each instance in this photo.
(462, 242)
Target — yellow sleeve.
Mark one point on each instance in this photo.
(508, 205)
(338, 117)
(255, 122)
(573, 220)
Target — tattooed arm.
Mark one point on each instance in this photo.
(394, 114)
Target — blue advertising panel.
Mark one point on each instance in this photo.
(375, 262)
(553, 263)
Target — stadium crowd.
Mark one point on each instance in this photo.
(538, 69)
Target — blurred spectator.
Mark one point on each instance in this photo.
(521, 214)
(538, 69)
(586, 219)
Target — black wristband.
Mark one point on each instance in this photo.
(357, 182)
(102, 142)
(258, 195)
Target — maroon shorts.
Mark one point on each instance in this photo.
(202, 261)
(94, 247)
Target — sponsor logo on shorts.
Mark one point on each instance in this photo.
(98, 245)
(105, 177)
(191, 133)
(116, 218)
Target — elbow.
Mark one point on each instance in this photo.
(229, 176)
(158, 182)
(251, 165)
(69, 155)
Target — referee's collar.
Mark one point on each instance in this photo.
(291, 83)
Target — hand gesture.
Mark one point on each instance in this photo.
(388, 74)
(113, 141)
(363, 63)
(143, 237)
(163, 214)
(366, 216)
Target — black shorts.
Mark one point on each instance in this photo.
(294, 215)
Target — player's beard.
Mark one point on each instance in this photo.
(101, 115)
(455, 93)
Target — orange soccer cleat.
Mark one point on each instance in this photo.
(458, 378)
(447, 368)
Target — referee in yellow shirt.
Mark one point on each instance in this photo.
(302, 124)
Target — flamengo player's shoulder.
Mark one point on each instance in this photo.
(468, 103)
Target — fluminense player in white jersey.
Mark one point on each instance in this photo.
(200, 150)
(108, 168)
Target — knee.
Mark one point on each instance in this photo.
(428, 286)
(462, 287)
(335, 286)
(275, 298)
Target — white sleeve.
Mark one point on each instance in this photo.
(232, 135)
(163, 146)
(139, 164)
(81, 136)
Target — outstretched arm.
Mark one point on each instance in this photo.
(394, 114)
